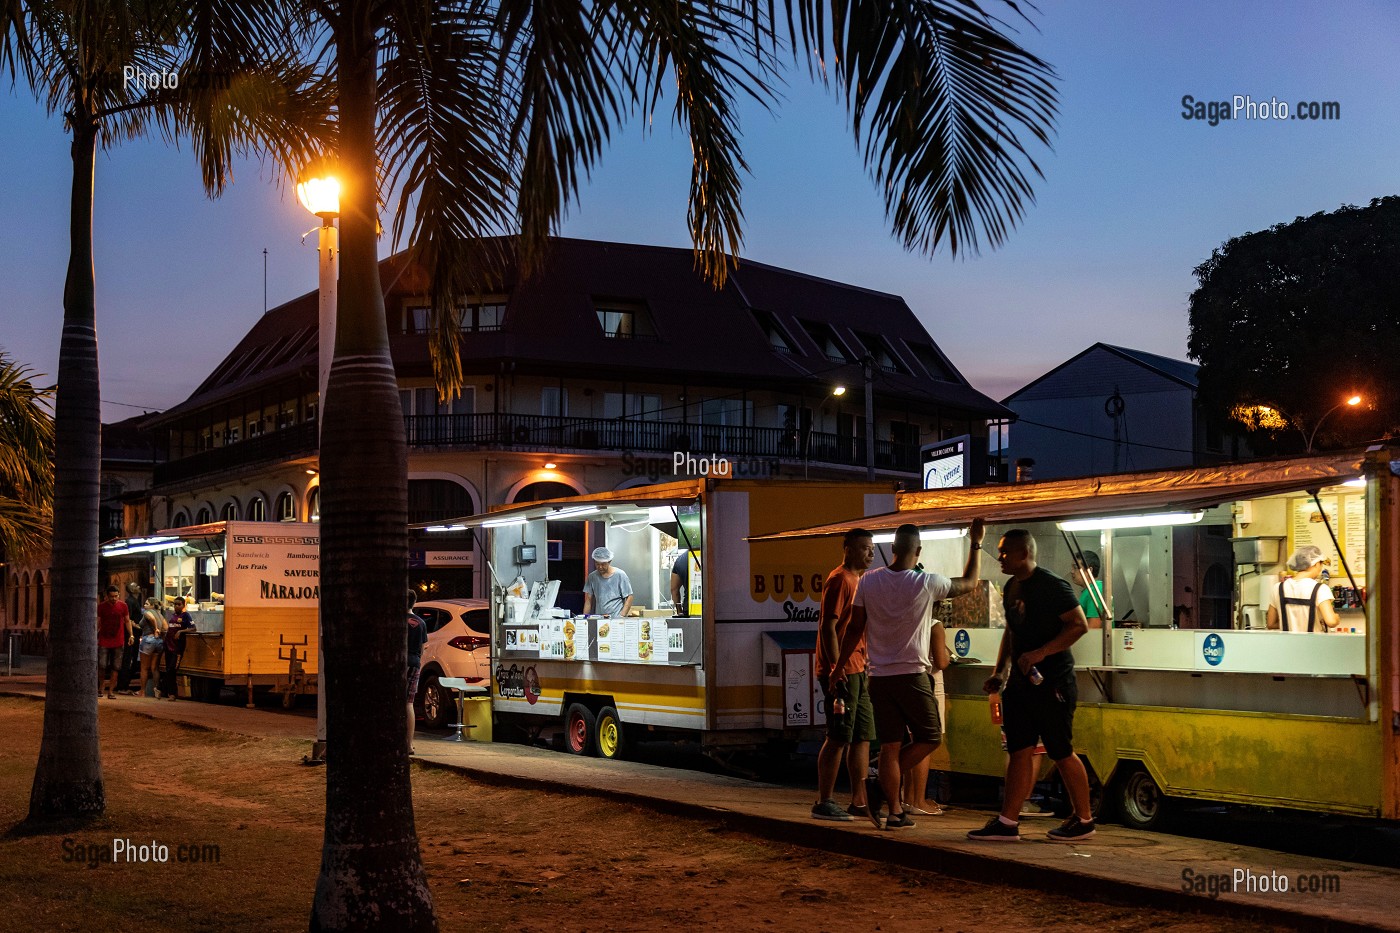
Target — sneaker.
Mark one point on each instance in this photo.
(859, 810)
(874, 796)
(1072, 830)
(920, 811)
(899, 821)
(830, 810)
(996, 831)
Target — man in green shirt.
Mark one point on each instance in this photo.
(1086, 575)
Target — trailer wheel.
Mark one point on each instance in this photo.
(1140, 801)
(612, 741)
(580, 730)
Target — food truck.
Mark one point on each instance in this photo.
(1184, 690)
(730, 665)
(253, 590)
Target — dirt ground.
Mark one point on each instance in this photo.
(498, 858)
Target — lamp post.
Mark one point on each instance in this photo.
(319, 193)
(1349, 403)
(836, 392)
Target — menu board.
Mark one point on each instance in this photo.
(525, 640)
(1354, 540)
(1306, 527)
(638, 640)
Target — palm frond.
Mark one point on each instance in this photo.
(26, 460)
(445, 151)
(940, 97)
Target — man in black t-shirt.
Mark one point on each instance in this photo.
(1043, 619)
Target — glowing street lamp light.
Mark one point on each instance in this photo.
(319, 193)
(836, 392)
(1351, 402)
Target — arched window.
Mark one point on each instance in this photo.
(313, 504)
(203, 516)
(257, 509)
(39, 602)
(538, 491)
(28, 601)
(181, 519)
(286, 508)
(436, 500)
(230, 512)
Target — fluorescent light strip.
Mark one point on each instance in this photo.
(503, 522)
(932, 534)
(573, 512)
(1359, 482)
(437, 528)
(166, 545)
(1132, 521)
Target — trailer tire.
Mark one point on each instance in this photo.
(1139, 801)
(580, 730)
(612, 739)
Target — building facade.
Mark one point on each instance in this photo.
(613, 365)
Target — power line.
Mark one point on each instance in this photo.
(1100, 437)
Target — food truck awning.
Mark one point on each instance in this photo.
(621, 504)
(1120, 494)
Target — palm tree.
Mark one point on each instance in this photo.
(485, 116)
(26, 468)
(234, 95)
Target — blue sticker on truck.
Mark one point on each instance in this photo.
(1213, 649)
(962, 643)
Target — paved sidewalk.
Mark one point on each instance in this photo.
(1138, 868)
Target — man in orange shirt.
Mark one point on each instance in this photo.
(849, 732)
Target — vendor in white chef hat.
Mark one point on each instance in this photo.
(607, 591)
(1302, 602)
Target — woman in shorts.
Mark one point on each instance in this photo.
(152, 644)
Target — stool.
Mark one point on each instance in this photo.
(460, 687)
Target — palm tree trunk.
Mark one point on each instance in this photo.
(68, 779)
(372, 874)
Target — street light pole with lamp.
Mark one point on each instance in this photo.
(836, 392)
(1349, 403)
(319, 193)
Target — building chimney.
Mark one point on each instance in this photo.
(1024, 466)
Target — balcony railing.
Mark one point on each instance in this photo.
(547, 432)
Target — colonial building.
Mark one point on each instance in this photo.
(613, 365)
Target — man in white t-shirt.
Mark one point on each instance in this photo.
(893, 610)
(1306, 598)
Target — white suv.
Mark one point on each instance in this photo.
(459, 645)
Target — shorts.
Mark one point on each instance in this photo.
(905, 701)
(413, 671)
(109, 659)
(152, 644)
(857, 724)
(1044, 713)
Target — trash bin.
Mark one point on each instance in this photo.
(478, 716)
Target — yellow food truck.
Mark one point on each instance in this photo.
(729, 663)
(1185, 692)
(253, 590)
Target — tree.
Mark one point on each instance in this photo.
(26, 468)
(234, 93)
(485, 117)
(1299, 317)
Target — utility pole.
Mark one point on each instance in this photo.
(867, 366)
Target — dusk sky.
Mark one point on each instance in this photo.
(1134, 197)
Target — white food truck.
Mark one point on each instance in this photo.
(730, 665)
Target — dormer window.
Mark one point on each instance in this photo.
(931, 360)
(827, 342)
(880, 352)
(625, 320)
(778, 338)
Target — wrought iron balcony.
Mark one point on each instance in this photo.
(504, 431)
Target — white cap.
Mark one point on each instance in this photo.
(1305, 558)
(602, 555)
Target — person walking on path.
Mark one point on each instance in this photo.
(893, 611)
(177, 627)
(1034, 664)
(151, 646)
(416, 637)
(114, 633)
(131, 661)
(848, 732)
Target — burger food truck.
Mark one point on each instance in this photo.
(253, 590)
(729, 663)
(1185, 692)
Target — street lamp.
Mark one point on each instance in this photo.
(836, 392)
(319, 192)
(1349, 403)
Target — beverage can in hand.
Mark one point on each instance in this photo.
(1035, 676)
